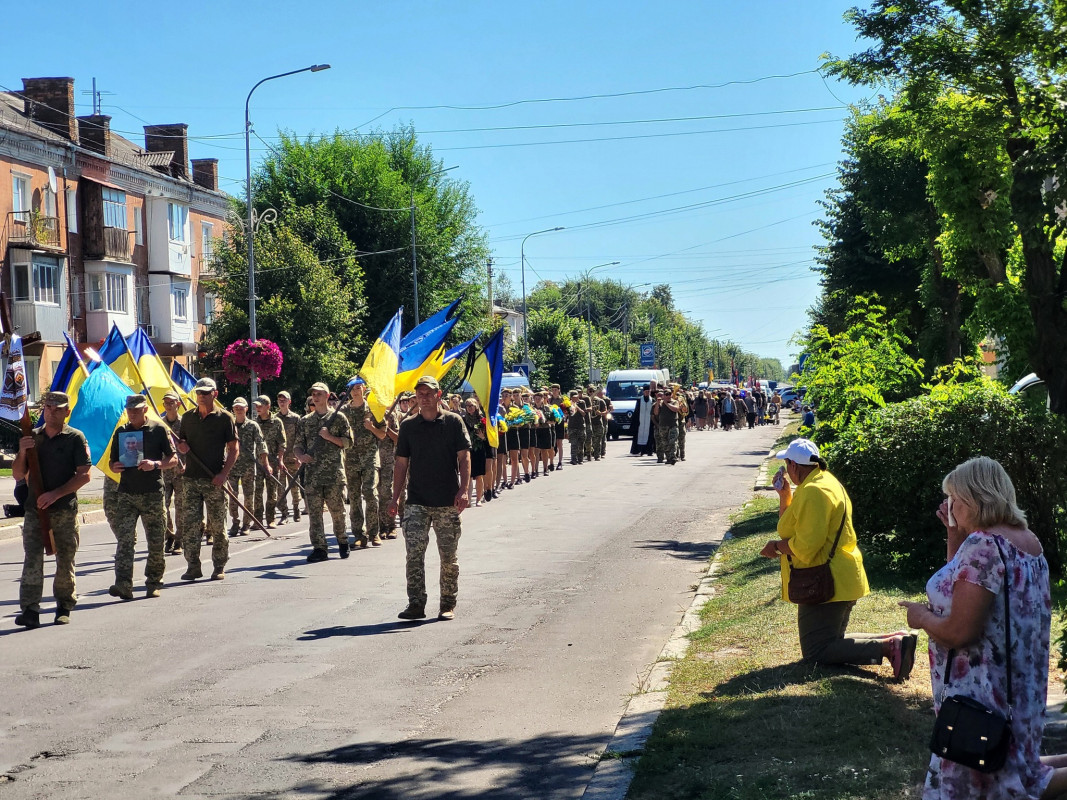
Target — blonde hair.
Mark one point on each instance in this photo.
(984, 484)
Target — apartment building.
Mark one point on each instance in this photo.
(97, 230)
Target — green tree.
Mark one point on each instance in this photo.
(983, 84)
(556, 348)
(311, 306)
(368, 184)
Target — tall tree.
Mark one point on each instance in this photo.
(984, 84)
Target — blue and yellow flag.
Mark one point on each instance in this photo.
(70, 371)
(150, 369)
(116, 354)
(450, 357)
(485, 378)
(379, 370)
(417, 359)
(431, 322)
(99, 410)
(183, 378)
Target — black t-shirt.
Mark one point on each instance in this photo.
(431, 448)
(157, 446)
(59, 457)
(207, 439)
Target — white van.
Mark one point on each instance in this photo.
(624, 388)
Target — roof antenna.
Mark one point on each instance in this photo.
(96, 97)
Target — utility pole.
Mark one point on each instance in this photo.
(626, 336)
(589, 322)
(489, 270)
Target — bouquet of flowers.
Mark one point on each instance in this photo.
(557, 414)
(244, 355)
(501, 425)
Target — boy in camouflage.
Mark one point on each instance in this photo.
(324, 435)
(361, 468)
(274, 440)
(253, 449)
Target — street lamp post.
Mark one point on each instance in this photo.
(414, 264)
(522, 267)
(250, 231)
(588, 315)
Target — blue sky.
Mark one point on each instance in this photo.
(720, 207)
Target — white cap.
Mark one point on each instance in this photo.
(801, 451)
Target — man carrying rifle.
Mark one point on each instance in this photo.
(324, 435)
(291, 422)
(63, 454)
(209, 437)
(268, 481)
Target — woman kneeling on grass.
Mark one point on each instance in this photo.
(810, 521)
(987, 540)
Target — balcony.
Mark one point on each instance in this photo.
(118, 244)
(32, 229)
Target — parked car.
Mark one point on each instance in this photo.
(1033, 389)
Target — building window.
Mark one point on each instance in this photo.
(114, 208)
(50, 203)
(207, 234)
(209, 308)
(116, 292)
(96, 292)
(72, 210)
(32, 365)
(138, 235)
(181, 303)
(20, 197)
(178, 216)
(46, 280)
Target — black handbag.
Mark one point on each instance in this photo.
(812, 586)
(967, 731)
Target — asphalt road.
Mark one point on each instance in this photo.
(291, 679)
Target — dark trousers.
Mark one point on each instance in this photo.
(823, 639)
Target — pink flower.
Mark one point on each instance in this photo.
(244, 355)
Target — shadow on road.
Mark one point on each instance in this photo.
(361, 630)
(549, 765)
(695, 551)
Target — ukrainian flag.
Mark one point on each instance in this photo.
(379, 370)
(183, 379)
(485, 378)
(116, 354)
(99, 410)
(450, 357)
(417, 359)
(431, 322)
(154, 376)
(70, 372)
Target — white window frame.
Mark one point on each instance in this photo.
(21, 194)
(115, 211)
(95, 295)
(138, 230)
(47, 282)
(209, 307)
(179, 302)
(72, 210)
(32, 367)
(117, 294)
(49, 203)
(177, 222)
(207, 237)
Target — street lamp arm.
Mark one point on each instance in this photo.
(312, 68)
(522, 268)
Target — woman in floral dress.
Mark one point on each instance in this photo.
(988, 539)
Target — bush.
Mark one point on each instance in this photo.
(892, 461)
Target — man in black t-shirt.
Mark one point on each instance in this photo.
(140, 496)
(63, 454)
(433, 448)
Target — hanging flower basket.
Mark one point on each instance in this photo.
(244, 355)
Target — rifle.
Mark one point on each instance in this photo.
(26, 426)
(292, 477)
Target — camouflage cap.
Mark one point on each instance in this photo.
(284, 394)
(205, 385)
(57, 399)
(240, 401)
(429, 381)
(136, 401)
(262, 400)
(172, 395)
(319, 386)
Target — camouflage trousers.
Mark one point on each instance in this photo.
(658, 431)
(149, 509)
(173, 491)
(291, 488)
(332, 497)
(201, 496)
(670, 443)
(111, 495)
(577, 439)
(681, 441)
(247, 481)
(592, 442)
(265, 485)
(387, 522)
(65, 530)
(446, 526)
(363, 488)
(604, 441)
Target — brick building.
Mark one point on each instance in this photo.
(96, 230)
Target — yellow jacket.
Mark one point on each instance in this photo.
(810, 525)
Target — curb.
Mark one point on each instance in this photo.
(614, 772)
(84, 518)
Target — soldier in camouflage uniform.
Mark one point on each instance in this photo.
(172, 478)
(387, 431)
(657, 429)
(291, 420)
(323, 437)
(361, 468)
(274, 439)
(140, 496)
(252, 449)
(610, 408)
(597, 410)
(63, 454)
(667, 420)
(209, 438)
(576, 428)
(683, 415)
(434, 449)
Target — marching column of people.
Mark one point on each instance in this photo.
(196, 462)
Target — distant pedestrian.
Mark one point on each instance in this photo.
(63, 454)
(433, 448)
